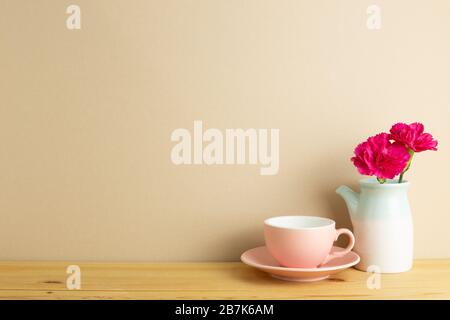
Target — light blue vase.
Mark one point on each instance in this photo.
(382, 225)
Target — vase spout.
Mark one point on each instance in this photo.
(351, 199)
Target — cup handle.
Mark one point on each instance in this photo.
(337, 254)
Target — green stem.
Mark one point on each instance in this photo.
(381, 181)
(408, 164)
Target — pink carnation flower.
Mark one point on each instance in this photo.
(379, 157)
(413, 136)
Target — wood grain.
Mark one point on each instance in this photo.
(429, 279)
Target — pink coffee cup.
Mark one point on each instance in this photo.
(303, 241)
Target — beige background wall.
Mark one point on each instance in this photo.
(86, 118)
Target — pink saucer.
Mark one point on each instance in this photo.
(262, 260)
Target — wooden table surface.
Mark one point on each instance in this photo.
(429, 279)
